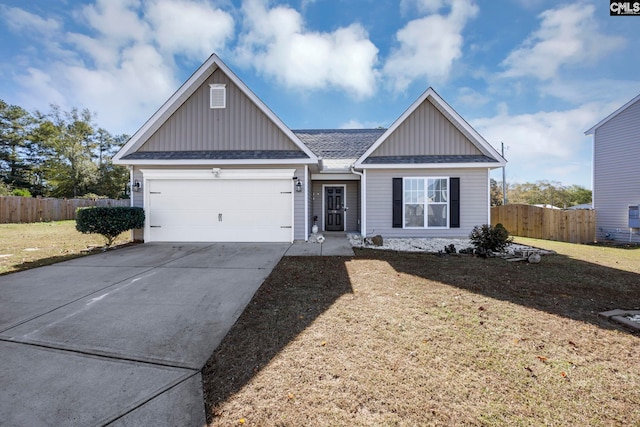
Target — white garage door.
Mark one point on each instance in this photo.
(220, 210)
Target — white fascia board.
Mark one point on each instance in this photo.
(453, 116)
(334, 177)
(195, 162)
(593, 129)
(185, 91)
(169, 107)
(434, 166)
(221, 174)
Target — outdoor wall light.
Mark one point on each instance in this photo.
(298, 186)
(136, 185)
(215, 172)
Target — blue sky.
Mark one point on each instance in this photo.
(533, 74)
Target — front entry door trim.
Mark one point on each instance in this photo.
(343, 208)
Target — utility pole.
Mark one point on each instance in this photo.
(504, 179)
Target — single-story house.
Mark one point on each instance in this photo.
(616, 173)
(214, 163)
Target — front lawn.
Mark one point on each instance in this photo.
(24, 246)
(390, 339)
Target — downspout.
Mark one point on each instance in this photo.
(306, 203)
(131, 232)
(363, 201)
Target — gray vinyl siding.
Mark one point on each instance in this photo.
(474, 201)
(239, 126)
(300, 232)
(426, 132)
(137, 199)
(616, 174)
(352, 194)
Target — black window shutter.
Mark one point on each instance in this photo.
(454, 203)
(397, 202)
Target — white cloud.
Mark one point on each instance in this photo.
(545, 144)
(195, 30)
(20, 20)
(356, 124)
(578, 91)
(567, 35)
(41, 87)
(123, 96)
(422, 6)
(122, 64)
(471, 97)
(430, 45)
(117, 21)
(276, 43)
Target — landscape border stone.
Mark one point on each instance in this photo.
(622, 317)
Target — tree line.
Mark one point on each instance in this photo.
(58, 154)
(540, 193)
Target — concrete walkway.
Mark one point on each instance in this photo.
(335, 244)
(119, 338)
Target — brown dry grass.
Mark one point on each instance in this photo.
(24, 246)
(388, 339)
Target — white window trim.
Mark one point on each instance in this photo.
(217, 87)
(426, 216)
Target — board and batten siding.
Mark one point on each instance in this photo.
(352, 194)
(300, 233)
(426, 132)
(616, 174)
(474, 202)
(239, 126)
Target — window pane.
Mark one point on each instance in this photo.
(413, 215)
(413, 191)
(437, 215)
(437, 190)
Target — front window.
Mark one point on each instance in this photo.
(426, 202)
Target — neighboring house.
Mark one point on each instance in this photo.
(616, 173)
(214, 163)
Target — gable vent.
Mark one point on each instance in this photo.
(217, 96)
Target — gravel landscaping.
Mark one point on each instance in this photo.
(431, 245)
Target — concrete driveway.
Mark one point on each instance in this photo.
(119, 338)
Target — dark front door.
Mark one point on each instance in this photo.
(334, 209)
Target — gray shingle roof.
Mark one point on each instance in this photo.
(217, 155)
(339, 143)
(429, 159)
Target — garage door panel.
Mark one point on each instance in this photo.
(194, 216)
(260, 217)
(244, 210)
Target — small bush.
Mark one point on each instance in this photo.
(486, 238)
(450, 249)
(22, 192)
(92, 196)
(109, 221)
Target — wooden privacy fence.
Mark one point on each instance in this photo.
(573, 226)
(14, 209)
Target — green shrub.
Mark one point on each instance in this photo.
(109, 221)
(486, 238)
(22, 192)
(92, 196)
(5, 189)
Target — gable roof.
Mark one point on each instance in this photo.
(593, 129)
(339, 143)
(127, 154)
(338, 149)
(489, 155)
